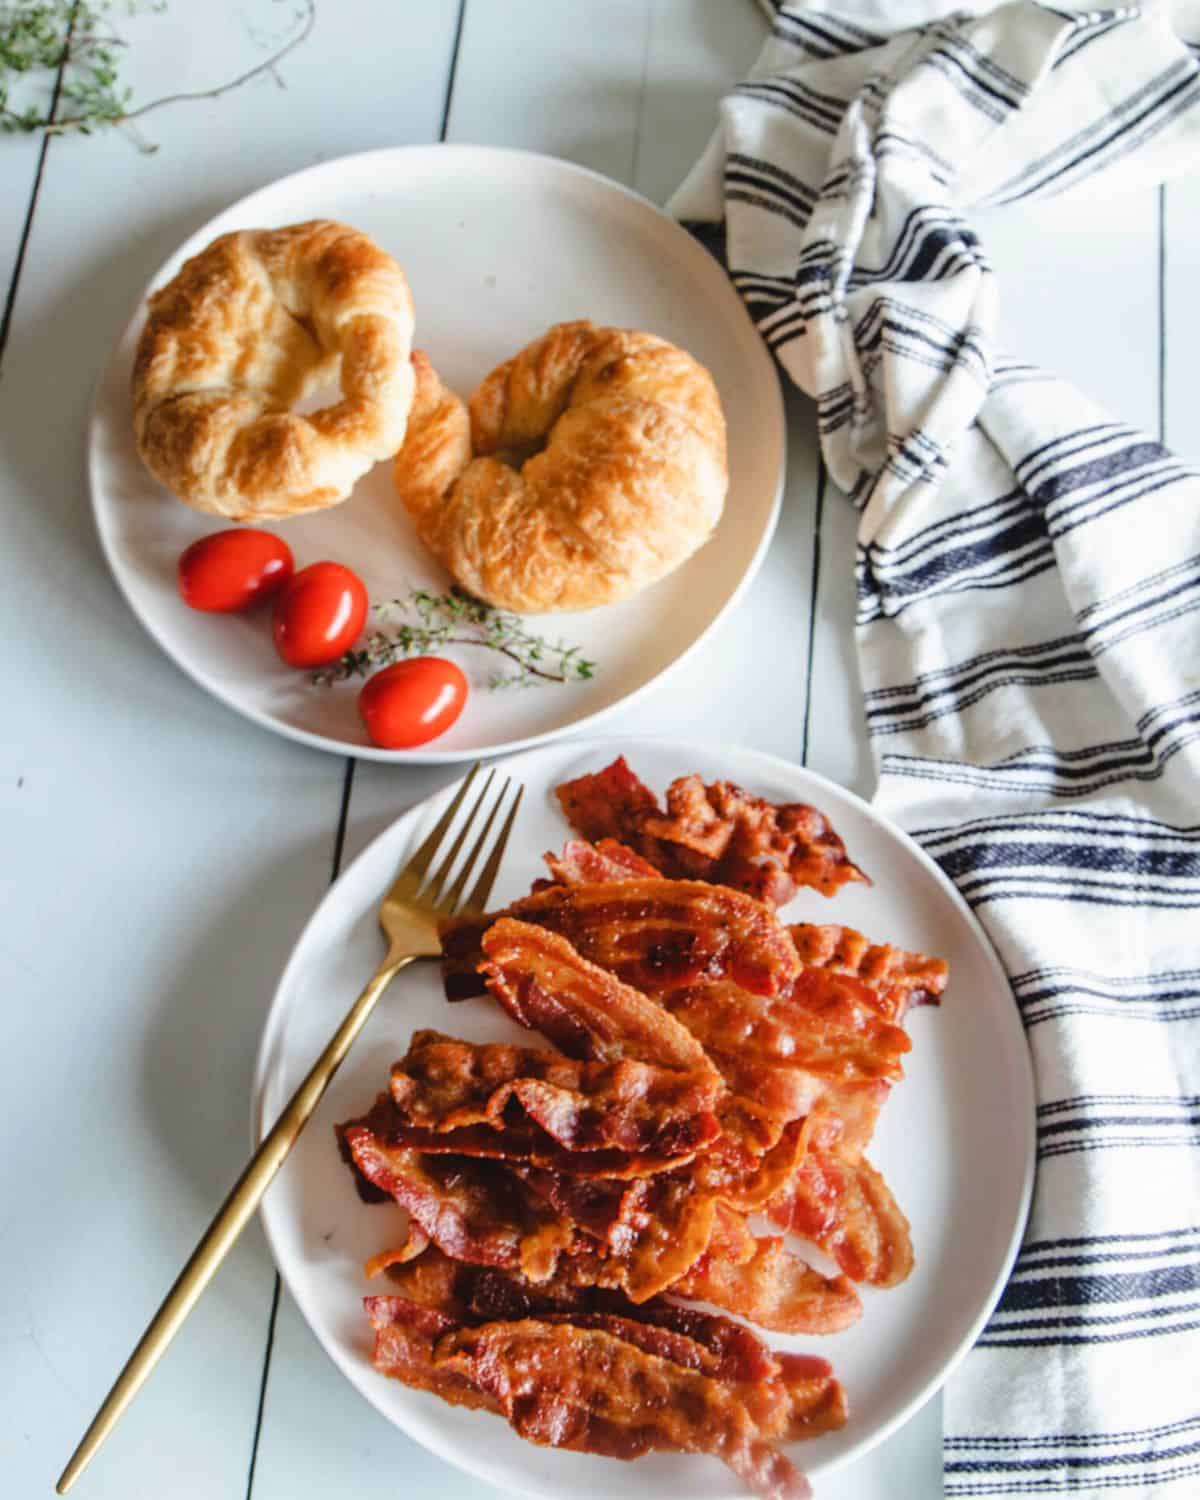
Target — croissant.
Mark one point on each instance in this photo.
(247, 328)
(587, 467)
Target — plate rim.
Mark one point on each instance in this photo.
(626, 744)
(545, 162)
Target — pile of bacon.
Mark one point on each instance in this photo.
(711, 1064)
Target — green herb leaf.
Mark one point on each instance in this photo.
(73, 44)
(424, 622)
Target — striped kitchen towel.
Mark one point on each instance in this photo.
(1029, 603)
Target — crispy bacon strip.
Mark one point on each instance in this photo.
(476, 1211)
(746, 1181)
(546, 985)
(843, 1121)
(448, 1286)
(651, 933)
(414, 1246)
(667, 1231)
(663, 1226)
(581, 863)
(738, 1355)
(589, 1390)
(639, 1109)
(717, 832)
(601, 1383)
(443, 1085)
(775, 1289)
(818, 1402)
(533, 1148)
(607, 804)
(599, 1206)
(897, 978)
(772, 1090)
(659, 934)
(406, 1336)
(822, 1025)
(651, 1338)
(790, 1395)
(848, 1210)
(757, 846)
(472, 1210)
(727, 1350)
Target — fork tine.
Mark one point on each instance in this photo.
(478, 899)
(449, 903)
(419, 863)
(432, 892)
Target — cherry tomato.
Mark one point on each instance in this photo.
(319, 615)
(231, 570)
(412, 702)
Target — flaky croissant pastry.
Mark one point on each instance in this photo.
(246, 329)
(588, 466)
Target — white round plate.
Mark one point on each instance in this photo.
(497, 245)
(955, 1140)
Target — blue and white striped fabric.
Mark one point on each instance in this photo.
(1029, 603)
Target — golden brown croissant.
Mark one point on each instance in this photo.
(630, 481)
(248, 327)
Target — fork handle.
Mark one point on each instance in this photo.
(244, 1197)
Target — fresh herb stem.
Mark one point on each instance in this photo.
(74, 40)
(456, 619)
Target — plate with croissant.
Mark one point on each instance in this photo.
(523, 413)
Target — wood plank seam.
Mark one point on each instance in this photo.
(647, 33)
(10, 301)
(450, 77)
(339, 843)
(262, 1383)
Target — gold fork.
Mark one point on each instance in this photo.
(411, 910)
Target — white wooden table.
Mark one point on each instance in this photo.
(160, 855)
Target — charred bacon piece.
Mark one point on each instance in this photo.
(715, 832)
(590, 1390)
(655, 1114)
(725, 1349)
(586, 1369)
(471, 1209)
(608, 804)
(664, 1228)
(476, 1210)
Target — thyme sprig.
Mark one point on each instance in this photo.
(75, 41)
(426, 622)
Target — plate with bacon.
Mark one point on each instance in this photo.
(710, 1148)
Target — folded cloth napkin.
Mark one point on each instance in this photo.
(1029, 595)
